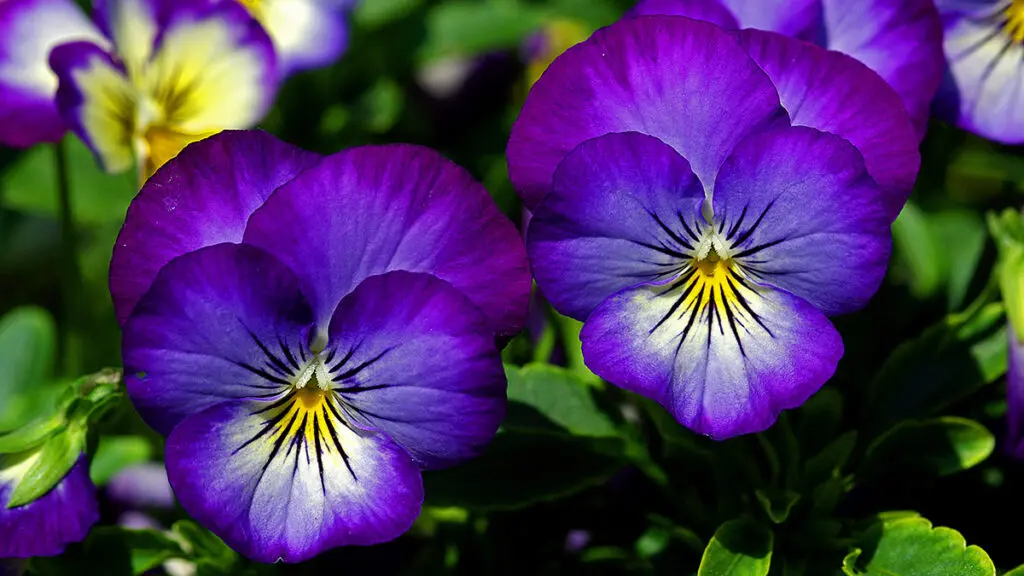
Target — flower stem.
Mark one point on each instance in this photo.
(73, 326)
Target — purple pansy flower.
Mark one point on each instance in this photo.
(984, 86)
(311, 333)
(29, 29)
(44, 527)
(700, 235)
(901, 40)
(173, 72)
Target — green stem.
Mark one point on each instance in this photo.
(73, 327)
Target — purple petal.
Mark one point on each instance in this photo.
(373, 209)
(91, 97)
(306, 33)
(420, 365)
(805, 216)
(796, 18)
(724, 366)
(1015, 397)
(274, 488)
(141, 486)
(685, 82)
(708, 10)
(203, 197)
(29, 30)
(45, 526)
(982, 91)
(223, 322)
(834, 93)
(899, 39)
(610, 221)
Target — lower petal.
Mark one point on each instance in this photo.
(45, 526)
(984, 86)
(708, 10)
(290, 489)
(97, 101)
(724, 360)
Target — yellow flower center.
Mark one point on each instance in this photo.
(1014, 26)
(254, 8)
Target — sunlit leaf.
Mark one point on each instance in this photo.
(115, 453)
(558, 395)
(738, 548)
(942, 445)
(50, 464)
(907, 545)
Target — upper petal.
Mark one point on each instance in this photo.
(213, 68)
(899, 39)
(617, 217)
(982, 90)
(723, 357)
(97, 101)
(796, 18)
(834, 93)
(685, 82)
(203, 197)
(418, 363)
(708, 10)
(306, 33)
(804, 215)
(44, 527)
(373, 209)
(224, 322)
(29, 30)
(277, 487)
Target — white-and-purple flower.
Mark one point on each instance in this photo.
(703, 200)
(312, 332)
(983, 90)
(901, 40)
(306, 33)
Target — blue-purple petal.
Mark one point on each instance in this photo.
(203, 197)
(420, 365)
(1015, 397)
(224, 322)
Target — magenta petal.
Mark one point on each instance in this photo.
(374, 209)
(276, 495)
(686, 82)
(1015, 396)
(796, 18)
(46, 526)
(202, 197)
(901, 40)
(834, 93)
(224, 322)
(420, 365)
(718, 376)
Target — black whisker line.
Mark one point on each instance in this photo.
(337, 444)
(746, 306)
(743, 237)
(671, 233)
(357, 389)
(262, 374)
(268, 426)
(280, 440)
(758, 248)
(356, 370)
(675, 305)
(274, 360)
(287, 353)
(319, 451)
(739, 222)
(693, 315)
(687, 228)
(344, 359)
(661, 249)
(730, 315)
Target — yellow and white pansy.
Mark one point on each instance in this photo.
(306, 33)
(178, 72)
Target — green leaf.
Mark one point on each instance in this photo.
(738, 548)
(113, 551)
(44, 468)
(942, 445)
(115, 453)
(777, 504)
(905, 545)
(32, 434)
(205, 548)
(828, 463)
(468, 28)
(947, 362)
(30, 185)
(27, 342)
(914, 248)
(522, 468)
(380, 12)
(558, 395)
(1008, 231)
(1018, 571)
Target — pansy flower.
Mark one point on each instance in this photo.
(29, 29)
(306, 33)
(45, 526)
(701, 232)
(984, 86)
(311, 333)
(173, 72)
(901, 40)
